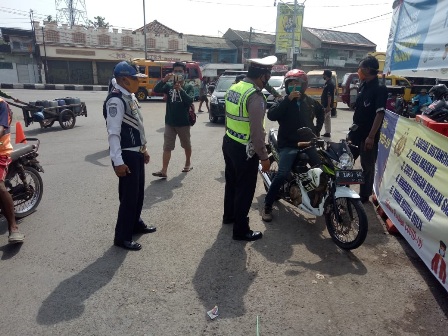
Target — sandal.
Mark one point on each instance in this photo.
(160, 174)
(187, 169)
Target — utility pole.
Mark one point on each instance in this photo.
(250, 42)
(294, 55)
(144, 29)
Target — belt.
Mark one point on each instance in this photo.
(140, 149)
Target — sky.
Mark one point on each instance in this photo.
(370, 18)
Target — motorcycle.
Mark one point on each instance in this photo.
(323, 190)
(23, 180)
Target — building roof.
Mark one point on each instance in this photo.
(201, 41)
(338, 37)
(157, 28)
(7, 32)
(256, 38)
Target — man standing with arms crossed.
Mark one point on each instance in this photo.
(244, 145)
(327, 101)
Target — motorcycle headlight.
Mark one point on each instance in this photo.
(345, 161)
(213, 99)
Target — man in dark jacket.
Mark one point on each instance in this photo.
(297, 110)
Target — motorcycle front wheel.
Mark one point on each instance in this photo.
(351, 231)
(26, 199)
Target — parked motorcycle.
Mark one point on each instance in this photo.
(324, 190)
(23, 180)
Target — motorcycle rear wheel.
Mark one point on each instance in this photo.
(23, 208)
(352, 232)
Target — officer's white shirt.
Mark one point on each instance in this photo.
(115, 112)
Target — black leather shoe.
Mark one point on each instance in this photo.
(145, 229)
(128, 245)
(249, 236)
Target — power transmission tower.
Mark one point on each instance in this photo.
(72, 12)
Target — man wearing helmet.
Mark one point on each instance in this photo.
(244, 145)
(127, 147)
(6, 202)
(297, 110)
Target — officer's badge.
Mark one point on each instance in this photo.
(112, 111)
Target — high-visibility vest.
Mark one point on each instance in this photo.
(237, 117)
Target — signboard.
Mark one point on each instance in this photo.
(410, 185)
(418, 45)
(286, 25)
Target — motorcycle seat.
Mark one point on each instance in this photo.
(20, 150)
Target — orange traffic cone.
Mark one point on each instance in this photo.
(20, 135)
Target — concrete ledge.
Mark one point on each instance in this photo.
(54, 87)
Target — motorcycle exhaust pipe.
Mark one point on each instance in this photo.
(266, 180)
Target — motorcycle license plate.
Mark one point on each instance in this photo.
(349, 176)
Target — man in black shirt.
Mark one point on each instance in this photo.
(369, 114)
(327, 100)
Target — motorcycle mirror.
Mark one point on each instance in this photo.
(305, 134)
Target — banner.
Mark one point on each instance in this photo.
(286, 25)
(418, 39)
(410, 177)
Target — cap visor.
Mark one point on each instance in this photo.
(140, 75)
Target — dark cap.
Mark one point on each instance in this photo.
(327, 73)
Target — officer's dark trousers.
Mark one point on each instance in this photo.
(241, 180)
(368, 160)
(131, 194)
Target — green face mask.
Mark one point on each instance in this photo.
(292, 88)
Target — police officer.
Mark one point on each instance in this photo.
(127, 145)
(244, 145)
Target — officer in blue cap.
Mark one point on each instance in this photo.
(127, 147)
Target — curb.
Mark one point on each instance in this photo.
(54, 87)
(390, 227)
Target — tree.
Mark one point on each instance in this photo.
(50, 19)
(100, 22)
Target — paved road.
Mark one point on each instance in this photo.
(68, 279)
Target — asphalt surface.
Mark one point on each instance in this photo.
(68, 278)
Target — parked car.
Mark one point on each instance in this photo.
(217, 105)
(277, 83)
(351, 80)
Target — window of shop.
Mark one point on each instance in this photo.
(173, 44)
(127, 41)
(151, 43)
(263, 53)
(6, 65)
(79, 38)
(51, 36)
(246, 53)
(103, 40)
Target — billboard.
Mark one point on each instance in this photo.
(411, 168)
(418, 40)
(286, 25)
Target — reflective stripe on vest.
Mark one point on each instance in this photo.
(237, 117)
